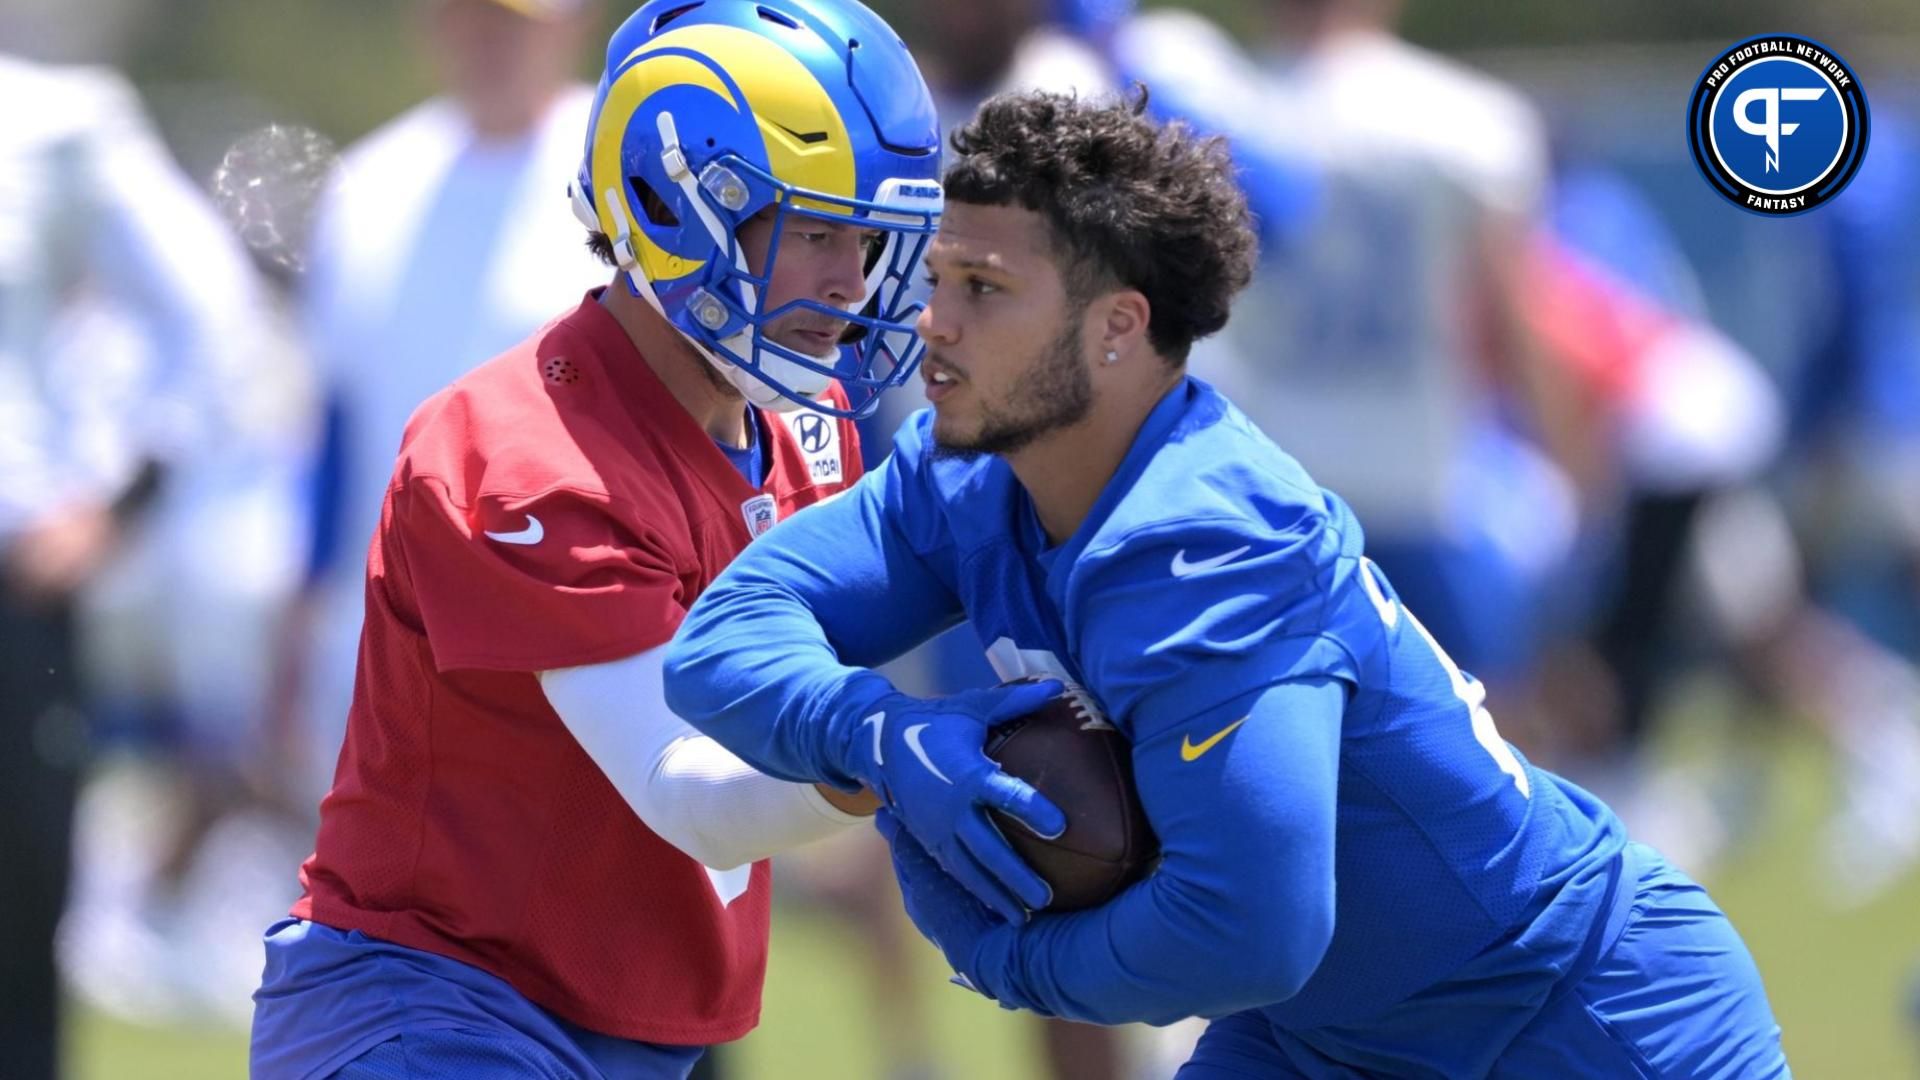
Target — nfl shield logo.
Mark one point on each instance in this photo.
(760, 513)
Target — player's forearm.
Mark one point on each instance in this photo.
(1167, 949)
(723, 813)
(773, 659)
(752, 670)
(687, 788)
(862, 803)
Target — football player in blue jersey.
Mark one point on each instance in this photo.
(1359, 876)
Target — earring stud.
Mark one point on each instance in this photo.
(1113, 356)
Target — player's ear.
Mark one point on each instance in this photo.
(1124, 327)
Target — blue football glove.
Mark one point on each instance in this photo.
(941, 910)
(926, 760)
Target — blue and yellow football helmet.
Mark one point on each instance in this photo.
(711, 111)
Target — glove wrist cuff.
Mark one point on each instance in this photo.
(860, 696)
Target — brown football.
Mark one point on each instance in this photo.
(1069, 751)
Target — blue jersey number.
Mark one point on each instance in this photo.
(1469, 690)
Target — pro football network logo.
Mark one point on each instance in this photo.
(1778, 124)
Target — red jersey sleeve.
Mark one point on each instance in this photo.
(533, 583)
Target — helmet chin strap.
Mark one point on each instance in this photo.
(798, 379)
(756, 390)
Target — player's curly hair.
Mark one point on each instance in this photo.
(1130, 202)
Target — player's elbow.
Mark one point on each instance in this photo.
(716, 852)
(1252, 946)
(1272, 932)
(714, 808)
(687, 678)
(1292, 949)
(666, 801)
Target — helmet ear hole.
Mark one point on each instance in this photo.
(658, 213)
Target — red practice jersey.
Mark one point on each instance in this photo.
(553, 508)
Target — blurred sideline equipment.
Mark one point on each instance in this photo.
(526, 862)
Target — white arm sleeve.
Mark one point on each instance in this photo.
(691, 791)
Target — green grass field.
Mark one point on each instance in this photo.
(1837, 981)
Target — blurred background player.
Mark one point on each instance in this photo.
(441, 246)
(1382, 344)
(526, 863)
(1704, 563)
(95, 215)
(186, 815)
(233, 697)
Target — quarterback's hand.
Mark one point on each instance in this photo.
(941, 910)
(926, 759)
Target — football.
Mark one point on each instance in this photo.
(1069, 751)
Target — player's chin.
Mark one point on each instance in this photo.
(953, 432)
(817, 344)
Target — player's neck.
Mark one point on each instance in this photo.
(1065, 470)
(686, 374)
(508, 119)
(1334, 24)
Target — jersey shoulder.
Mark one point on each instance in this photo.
(538, 419)
(1221, 569)
(369, 204)
(1219, 473)
(416, 141)
(95, 102)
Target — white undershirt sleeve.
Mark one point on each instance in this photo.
(691, 791)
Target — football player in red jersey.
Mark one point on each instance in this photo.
(527, 865)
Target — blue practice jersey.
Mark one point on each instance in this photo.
(1465, 885)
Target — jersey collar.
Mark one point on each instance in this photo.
(653, 408)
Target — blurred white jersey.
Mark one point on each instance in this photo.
(1354, 349)
(133, 328)
(93, 205)
(436, 252)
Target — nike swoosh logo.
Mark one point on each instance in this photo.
(807, 137)
(529, 535)
(912, 735)
(1191, 752)
(1182, 568)
(878, 720)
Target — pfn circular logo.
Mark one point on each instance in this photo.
(1778, 124)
